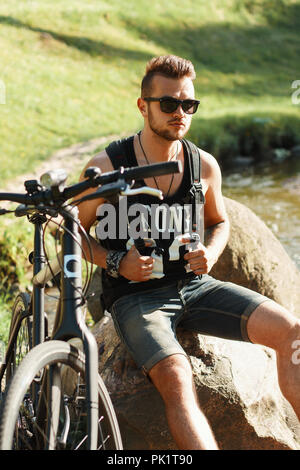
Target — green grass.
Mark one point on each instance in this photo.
(72, 69)
(72, 72)
(5, 317)
(16, 243)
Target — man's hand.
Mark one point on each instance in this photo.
(136, 267)
(201, 259)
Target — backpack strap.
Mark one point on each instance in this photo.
(195, 171)
(196, 194)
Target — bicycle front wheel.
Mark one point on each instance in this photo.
(45, 405)
(20, 333)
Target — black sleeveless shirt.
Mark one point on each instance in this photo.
(163, 225)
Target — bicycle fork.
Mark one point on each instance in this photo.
(71, 322)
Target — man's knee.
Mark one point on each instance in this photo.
(172, 377)
(272, 325)
(290, 347)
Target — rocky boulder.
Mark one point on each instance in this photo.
(236, 382)
(254, 258)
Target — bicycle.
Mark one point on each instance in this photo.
(55, 398)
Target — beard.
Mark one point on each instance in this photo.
(168, 134)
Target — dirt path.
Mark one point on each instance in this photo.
(72, 159)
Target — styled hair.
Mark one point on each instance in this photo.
(169, 66)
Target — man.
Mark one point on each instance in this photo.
(149, 296)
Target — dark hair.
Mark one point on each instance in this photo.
(169, 66)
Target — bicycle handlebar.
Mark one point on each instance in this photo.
(125, 174)
(15, 197)
(113, 179)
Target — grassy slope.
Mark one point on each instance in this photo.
(72, 69)
(72, 72)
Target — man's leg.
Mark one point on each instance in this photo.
(173, 379)
(273, 326)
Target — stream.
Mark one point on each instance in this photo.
(272, 191)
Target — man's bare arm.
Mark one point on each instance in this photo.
(216, 238)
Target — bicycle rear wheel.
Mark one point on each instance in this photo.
(56, 418)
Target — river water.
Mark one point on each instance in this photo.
(272, 191)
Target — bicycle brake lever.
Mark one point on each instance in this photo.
(4, 211)
(23, 209)
(143, 190)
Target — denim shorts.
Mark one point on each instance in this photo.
(146, 321)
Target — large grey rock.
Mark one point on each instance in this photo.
(254, 258)
(236, 382)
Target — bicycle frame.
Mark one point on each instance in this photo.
(38, 292)
(69, 322)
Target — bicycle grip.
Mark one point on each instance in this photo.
(154, 169)
(140, 172)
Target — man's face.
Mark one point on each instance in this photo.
(175, 125)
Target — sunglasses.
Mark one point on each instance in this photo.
(169, 104)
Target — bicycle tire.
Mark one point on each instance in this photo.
(43, 357)
(23, 341)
